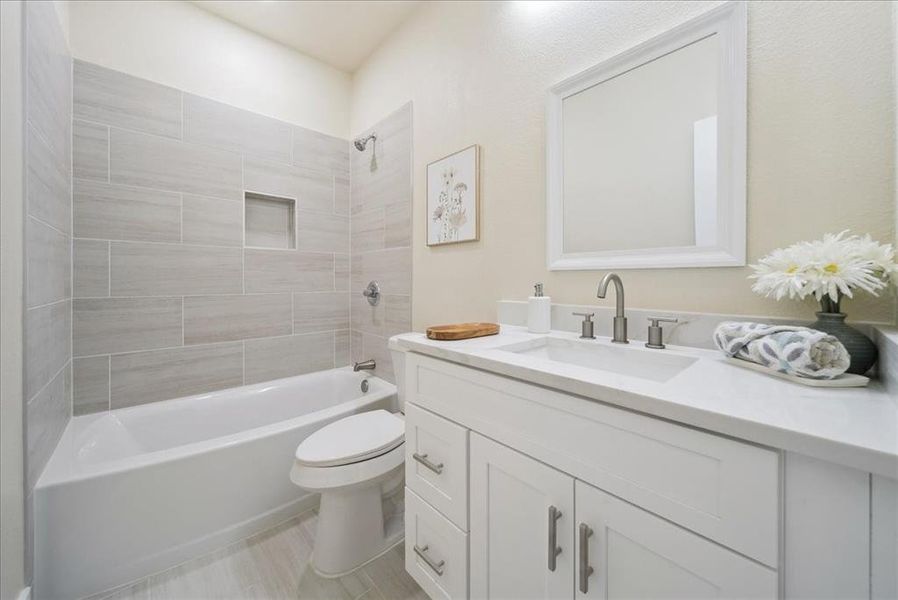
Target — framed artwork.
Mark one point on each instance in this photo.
(453, 198)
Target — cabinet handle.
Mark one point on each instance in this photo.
(422, 458)
(436, 566)
(585, 569)
(554, 550)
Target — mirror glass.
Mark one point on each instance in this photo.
(640, 154)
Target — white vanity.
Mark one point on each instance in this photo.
(531, 473)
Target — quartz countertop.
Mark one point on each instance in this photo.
(855, 427)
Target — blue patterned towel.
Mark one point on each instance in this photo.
(794, 350)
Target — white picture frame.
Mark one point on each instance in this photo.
(729, 23)
(453, 198)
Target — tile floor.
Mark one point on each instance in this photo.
(272, 565)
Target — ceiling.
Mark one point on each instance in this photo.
(340, 33)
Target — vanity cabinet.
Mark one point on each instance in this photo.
(516, 490)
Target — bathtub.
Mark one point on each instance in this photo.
(137, 490)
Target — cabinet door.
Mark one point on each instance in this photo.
(518, 505)
(626, 552)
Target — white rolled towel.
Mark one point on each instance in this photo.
(794, 350)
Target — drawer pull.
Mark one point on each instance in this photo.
(422, 458)
(436, 566)
(585, 569)
(554, 550)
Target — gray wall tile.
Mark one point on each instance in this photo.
(226, 318)
(109, 325)
(90, 151)
(368, 231)
(320, 311)
(342, 200)
(90, 391)
(274, 358)
(397, 315)
(48, 77)
(48, 181)
(117, 99)
(48, 258)
(342, 355)
(91, 264)
(48, 332)
(321, 152)
(211, 221)
(142, 377)
(374, 346)
(155, 162)
(365, 317)
(288, 271)
(215, 124)
(118, 212)
(311, 189)
(46, 416)
(391, 268)
(398, 224)
(392, 180)
(341, 272)
(319, 232)
(141, 269)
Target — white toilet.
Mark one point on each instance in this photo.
(352, 463)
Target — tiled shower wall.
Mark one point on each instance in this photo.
(167, 299)
(48, 243)
(382, 237)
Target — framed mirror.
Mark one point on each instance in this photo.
(646, 153)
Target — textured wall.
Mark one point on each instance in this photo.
(821, 130)
(381, 237)
(168, 300)
(183, 46)
(48, 242)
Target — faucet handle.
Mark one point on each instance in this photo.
(656, 334)
(586, 327)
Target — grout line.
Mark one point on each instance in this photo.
(45, 305)
(50, 380)
(53, 227)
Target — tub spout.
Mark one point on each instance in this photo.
(365, 365)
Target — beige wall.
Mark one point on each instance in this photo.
(182, 46)
(820, 125)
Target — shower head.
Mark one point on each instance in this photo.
(362, 142)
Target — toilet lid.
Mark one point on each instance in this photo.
(352, 439)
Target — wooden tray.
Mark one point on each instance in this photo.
(842, 381)
(461, 331)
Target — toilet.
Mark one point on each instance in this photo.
(353, 463)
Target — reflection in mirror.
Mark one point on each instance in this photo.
(640, 151)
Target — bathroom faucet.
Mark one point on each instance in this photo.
(620, 320)
(365, 365)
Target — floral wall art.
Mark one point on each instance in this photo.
(453, 197)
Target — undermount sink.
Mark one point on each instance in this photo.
(623, 360)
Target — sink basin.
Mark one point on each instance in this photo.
(623, 360)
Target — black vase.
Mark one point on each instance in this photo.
(861, 348)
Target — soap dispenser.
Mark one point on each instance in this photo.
(539, 311)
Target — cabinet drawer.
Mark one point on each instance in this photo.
(436, 551)
(436, 463)
(725, 490)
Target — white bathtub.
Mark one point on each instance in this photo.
(137, 490)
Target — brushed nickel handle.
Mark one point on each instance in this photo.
(422, 458)
(436, 566)
(585, 569)
(554, 550)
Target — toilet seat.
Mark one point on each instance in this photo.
(352, 439)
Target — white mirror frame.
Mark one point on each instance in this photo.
(729, 23)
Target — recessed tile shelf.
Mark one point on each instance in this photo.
(270, 222)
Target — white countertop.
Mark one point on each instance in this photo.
(856, 427)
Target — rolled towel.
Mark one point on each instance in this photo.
(794, 350)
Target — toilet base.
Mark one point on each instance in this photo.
(344, 544)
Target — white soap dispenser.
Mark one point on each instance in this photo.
(539, 311)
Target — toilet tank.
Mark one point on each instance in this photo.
(398, 357)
